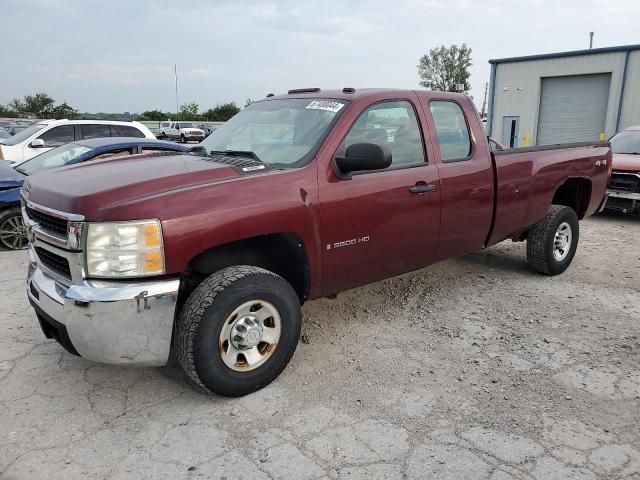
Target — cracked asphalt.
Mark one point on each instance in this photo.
(474, 368)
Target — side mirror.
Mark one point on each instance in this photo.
(362, 157)
(37, 143)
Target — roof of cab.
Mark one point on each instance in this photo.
(349, 93)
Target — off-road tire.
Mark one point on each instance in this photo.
(6, 215)
(540, 241)
(183, 139)
(202, 317)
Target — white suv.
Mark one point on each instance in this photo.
(48, 134)
(183, 131)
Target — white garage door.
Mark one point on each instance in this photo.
(573, 108)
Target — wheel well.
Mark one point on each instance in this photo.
(282, 253)
(574, 193)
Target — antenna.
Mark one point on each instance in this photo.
(590, 40)
(175, 72)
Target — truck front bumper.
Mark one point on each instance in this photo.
(627, 202)
(105, 321)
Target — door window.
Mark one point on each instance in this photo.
(390, 124)
(453, 134)
(95, 131)
(58, 136)
(125, 131)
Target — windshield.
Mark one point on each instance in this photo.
(627, 141)
(23, 135)
(283, 132)
(58, 157)
(186, 125)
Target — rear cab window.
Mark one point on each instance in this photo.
(452, 131)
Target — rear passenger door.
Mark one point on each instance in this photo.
(466, 176)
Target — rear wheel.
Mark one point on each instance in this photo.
(238, 330)
(13, 233)
(552, 242)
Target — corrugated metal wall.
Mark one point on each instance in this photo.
(631, 102)
(518, 88)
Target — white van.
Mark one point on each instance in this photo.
(48, 134)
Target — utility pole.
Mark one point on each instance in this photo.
(590, 40)
(483, 110)
(175, 71)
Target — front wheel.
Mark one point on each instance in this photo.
(238, 330)
(183, 139)
(552, 242)
(13, 233)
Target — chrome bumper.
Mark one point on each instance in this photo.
(109, 322)
(620, 194)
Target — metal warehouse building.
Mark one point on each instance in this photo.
(577, 96)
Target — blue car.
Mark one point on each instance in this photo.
(13, 235)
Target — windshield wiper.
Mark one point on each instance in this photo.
(237, 153)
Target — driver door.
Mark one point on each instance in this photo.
(378, 224)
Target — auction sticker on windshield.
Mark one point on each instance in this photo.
(327, 105)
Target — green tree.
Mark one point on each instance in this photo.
(64, 110)
(7, 112)
(221, 113)
(39, 105)
(155, 115)
(16, 106)
(445, 68)
(189, 111)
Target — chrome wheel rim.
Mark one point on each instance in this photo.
(562, 241)
(13, 233)
(250, 335)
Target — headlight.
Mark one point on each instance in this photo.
(125, 249)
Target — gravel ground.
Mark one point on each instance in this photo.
(474, 368)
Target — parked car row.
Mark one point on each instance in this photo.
(42, 136)
(13, 235)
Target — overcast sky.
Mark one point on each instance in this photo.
(118, 55)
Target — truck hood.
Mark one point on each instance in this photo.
(9, 178)
(626, 163)
(91, 188)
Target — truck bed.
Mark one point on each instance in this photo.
(529, 179)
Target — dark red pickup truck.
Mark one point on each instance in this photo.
(297, 197)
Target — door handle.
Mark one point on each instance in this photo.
(421, 188)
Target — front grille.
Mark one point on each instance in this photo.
(48, 222)
(53, 262)
(625, 182)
